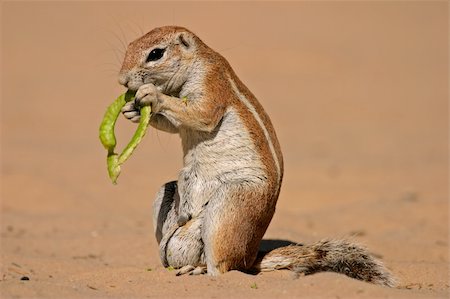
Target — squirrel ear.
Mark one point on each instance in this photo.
(185, 40)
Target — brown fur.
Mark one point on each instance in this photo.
(244, 224)
(339, 256)
(225, 233)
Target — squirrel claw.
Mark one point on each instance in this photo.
(185, 270)
(199, 270)
(191, 270)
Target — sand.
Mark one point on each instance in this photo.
(358, 94)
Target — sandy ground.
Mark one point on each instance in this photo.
(357, 92)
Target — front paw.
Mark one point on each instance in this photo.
(148, 95)
(131, 112)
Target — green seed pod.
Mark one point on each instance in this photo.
(108, 138)
(138, 134)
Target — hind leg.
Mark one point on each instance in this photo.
(234, 225)
(179, 246)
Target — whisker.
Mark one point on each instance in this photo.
(123, 35)
(121, 41)
(114, 50)
(141, 30)
(123, 45)
(107, 64)
(109, 73)
(237, 46)
(137, 30)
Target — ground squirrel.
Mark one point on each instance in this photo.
(212, 219)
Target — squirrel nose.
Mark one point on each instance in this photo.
(123, 80)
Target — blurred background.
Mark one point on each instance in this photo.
(357, 92)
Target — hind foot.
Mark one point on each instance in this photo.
(191, 270)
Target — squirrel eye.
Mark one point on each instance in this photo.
(155, 54)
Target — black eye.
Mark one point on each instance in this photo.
(155, 54)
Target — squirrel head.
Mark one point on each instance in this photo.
(162, 57)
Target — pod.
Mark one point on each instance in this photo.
(108, 137)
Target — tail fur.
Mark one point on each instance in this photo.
(339, 256)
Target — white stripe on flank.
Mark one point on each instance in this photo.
(261, 124)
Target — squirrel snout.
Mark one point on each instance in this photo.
(131, 81)
(124, 79)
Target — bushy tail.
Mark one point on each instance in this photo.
(339, 256)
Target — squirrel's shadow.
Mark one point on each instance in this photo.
(267, 245)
